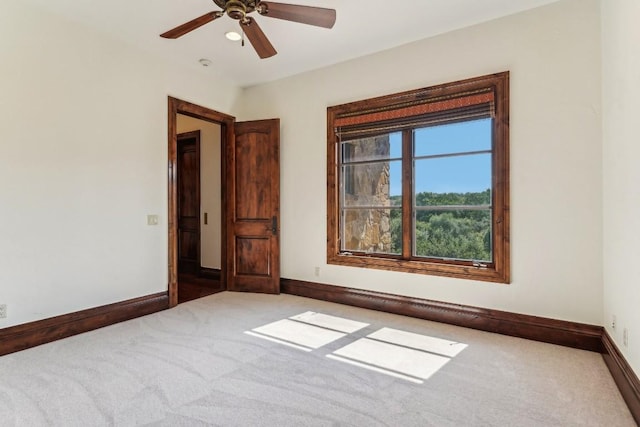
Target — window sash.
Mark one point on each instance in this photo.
(345, 179)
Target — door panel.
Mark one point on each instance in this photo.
(252, 256)
(253, 242)
(252, 195)
(189, 202)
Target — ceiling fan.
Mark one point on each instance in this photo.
(239, 9)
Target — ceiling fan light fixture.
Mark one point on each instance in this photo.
(233, 36)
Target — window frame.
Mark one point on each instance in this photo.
(497, 271)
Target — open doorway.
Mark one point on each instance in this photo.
(250, 206)
(197, 138)
(199, 207)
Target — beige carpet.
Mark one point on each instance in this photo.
(258, 360)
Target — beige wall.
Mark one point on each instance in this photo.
(83, 160)
(210, 188)
(621, 153)
(553, 54)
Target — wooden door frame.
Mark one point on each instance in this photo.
(226, 122)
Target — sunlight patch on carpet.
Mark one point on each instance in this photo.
(419, 342)
(300, 335)
(330, 322)
(401, 354)
(412, 357)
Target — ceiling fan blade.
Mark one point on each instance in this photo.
(318, 16)
(191, 25)
(258, 40)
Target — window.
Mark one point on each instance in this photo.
(418, 181)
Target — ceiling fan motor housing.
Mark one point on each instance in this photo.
(237, 9)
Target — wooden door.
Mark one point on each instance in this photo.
(253, 216)
(188, 166)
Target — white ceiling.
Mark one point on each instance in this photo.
(362, 27)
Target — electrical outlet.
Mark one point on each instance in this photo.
(152, 220)
(3, 311)
(613, 322)
(625, 337)
(317, 271)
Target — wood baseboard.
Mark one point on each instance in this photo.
(210, 273)
(626, 380)
(27, 335)
(570, 334)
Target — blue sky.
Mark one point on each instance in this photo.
(462, 174)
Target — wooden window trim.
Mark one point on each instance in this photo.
(499, 270)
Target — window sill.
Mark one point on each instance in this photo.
(485, 274)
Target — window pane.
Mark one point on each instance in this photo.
(372, 184)
(458, 180)
(472, 135)
(383, 147)
(372, 231)
(463, 235)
